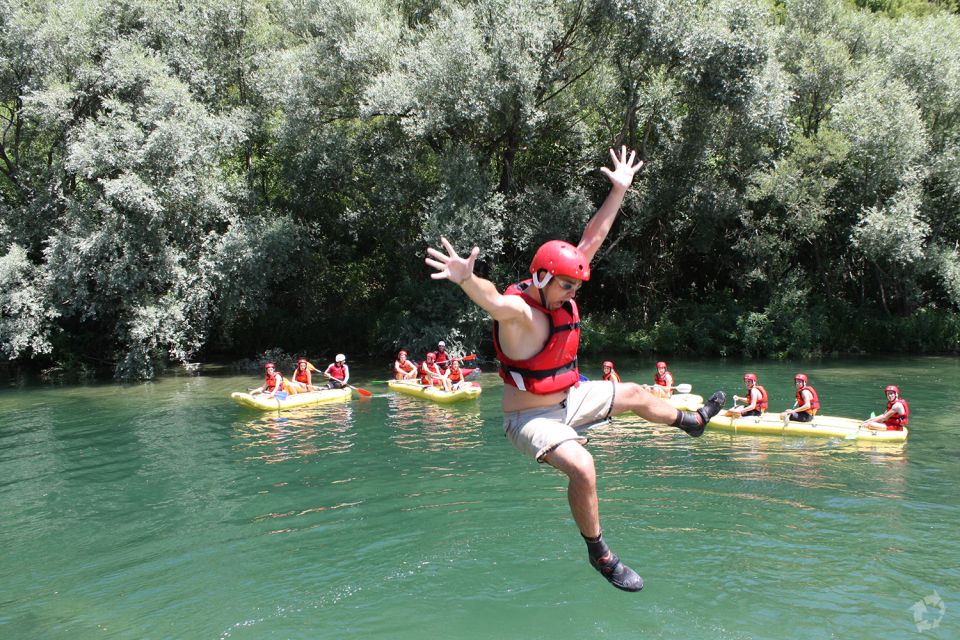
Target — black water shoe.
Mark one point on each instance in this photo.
(694, 422)
(618, 574)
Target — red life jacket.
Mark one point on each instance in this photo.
(455, 375)
(337, 370)
(554, 367)
(665, 380)
(764, 401)
(613, 375)
(814, 400)
(272, 382)
(442, 358)
(425, 377)
(302, 375)
(406, 367)
(895, 422)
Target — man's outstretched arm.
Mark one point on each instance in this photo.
(451, 266)
(621, 177)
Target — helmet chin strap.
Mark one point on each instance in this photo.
(540, 284)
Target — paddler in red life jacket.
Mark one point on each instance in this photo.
(536, 335)
(338, 372)
(663, 381)
(897, 415)
(272, 381)
(431, 374)
(454, 375)
(302, 380)
(403, 369)
(806, 404)
(442, 356)
(756, 400)
(609, 373)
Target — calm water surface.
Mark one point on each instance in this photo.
(163, 510)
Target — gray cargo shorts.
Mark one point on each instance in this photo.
(537, 432)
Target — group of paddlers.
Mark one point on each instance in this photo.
(807, 403)
(336, 375)
(805, 407)
(438, 369)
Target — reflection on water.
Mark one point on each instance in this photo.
(298, 433)
(831, 464)
(419, 424)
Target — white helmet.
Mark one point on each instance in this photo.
(341, 358)
(441, 344)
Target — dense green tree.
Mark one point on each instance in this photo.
(229, 176)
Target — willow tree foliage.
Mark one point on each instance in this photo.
(180, 180)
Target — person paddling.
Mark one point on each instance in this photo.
(454, 375)
(755, 402)
(431, 374)
(272, 381)
(536, 336)
(302, 379)
(897, 415)
(609, 373)
(442, 355)
(338, 372)
(662, 381)
(806, 404)
(403, 369)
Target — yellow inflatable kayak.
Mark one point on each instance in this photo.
(269, 403)
(821, 426)
(432, 393)
(686, 401)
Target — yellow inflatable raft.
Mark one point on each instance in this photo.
(432, 393)
(686, 401)
(271, 403)
(820, 426)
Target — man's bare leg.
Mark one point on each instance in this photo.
(630, 396)
(577, 464)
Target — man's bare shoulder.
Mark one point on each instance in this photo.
(523, 336)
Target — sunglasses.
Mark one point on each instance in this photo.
(568, 286)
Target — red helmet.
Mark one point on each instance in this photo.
(559, 258)
(301, 361)
(802, 377)
(431, 354)
(893, 388)
(751, 377)
(269, 365)
(661, 364)
(608, 363)
(401, 353)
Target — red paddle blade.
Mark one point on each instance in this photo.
(363, 392)
(472, 356)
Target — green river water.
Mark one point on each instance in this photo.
(163, 510)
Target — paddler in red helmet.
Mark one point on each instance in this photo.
(609, 373)
(536, 336)
(273, 382)
(663, 381)
(302, 380)
(897, 415)
(454, 376)
(431, 374)
(807, 403)
(754, 403)
(403, 369)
